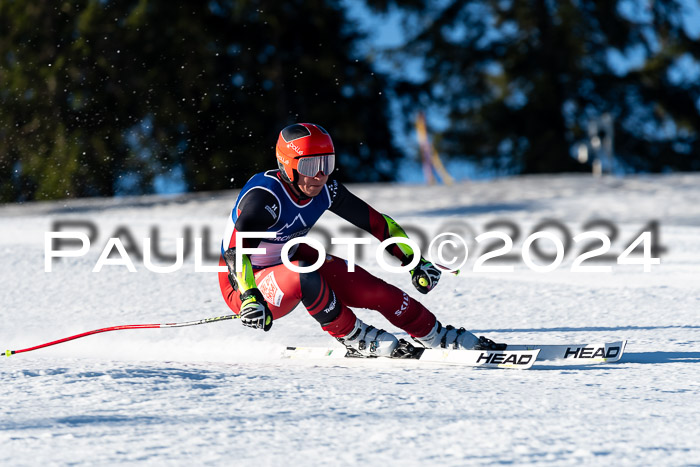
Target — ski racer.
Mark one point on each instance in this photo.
(288, 202)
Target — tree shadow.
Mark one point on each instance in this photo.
(473, 209)
(628, 357)
(644, 358)
(591, 329)
(661, 357)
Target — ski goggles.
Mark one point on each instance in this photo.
(311, 165)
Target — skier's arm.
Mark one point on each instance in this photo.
(254, 311)
(257, 212)
(362, 215)
(425, 275)
(244, 279)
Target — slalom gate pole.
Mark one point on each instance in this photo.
(216, 319)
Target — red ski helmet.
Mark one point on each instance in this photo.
(304, 148)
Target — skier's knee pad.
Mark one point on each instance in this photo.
(310, 283)
(317, 296)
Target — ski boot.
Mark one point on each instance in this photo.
(488, 344)
(368, 341)
(450, 337)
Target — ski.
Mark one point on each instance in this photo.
(601, 352)
(520, 356)
(516, 359)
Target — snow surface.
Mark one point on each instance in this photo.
(219, 394)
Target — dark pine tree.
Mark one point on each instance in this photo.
(98, 98)
(519, 81)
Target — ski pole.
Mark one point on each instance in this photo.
(121, 328)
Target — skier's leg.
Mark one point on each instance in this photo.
(283, 289)
(323, 305)
(363, 290)
(339, 321)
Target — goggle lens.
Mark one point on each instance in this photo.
(310, 166)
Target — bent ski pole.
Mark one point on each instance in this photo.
(7, 353)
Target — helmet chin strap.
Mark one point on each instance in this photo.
(297, 190)
(294, 184)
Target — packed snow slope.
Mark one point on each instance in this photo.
(219, 394)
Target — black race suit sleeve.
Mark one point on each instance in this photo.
(257, 212)
(362, 215)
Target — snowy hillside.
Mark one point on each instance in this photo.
(219, 393)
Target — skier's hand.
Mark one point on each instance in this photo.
(254, 310)
(425, 276)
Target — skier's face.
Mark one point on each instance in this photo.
(311, 186)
